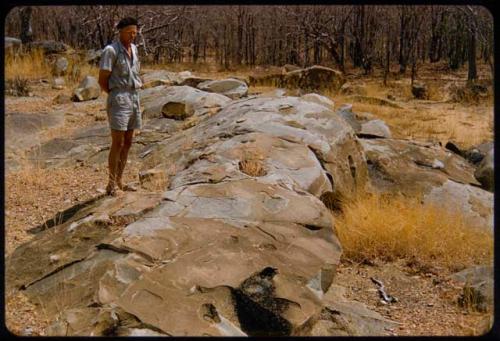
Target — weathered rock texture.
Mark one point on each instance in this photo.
(226, 249)
(230, 234)
(416, 168)
(312, 78)
(232, 88)
(87, 90)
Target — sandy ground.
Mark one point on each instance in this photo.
(426, 301)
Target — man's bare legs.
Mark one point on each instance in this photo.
(127, 143)
(121, 142)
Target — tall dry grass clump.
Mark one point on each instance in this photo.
(31, 65)
(390, 228)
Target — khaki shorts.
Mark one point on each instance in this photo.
(123, 109)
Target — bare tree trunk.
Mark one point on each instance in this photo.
(472, 74)
(26, 30)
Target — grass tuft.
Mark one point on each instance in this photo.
(390, 228)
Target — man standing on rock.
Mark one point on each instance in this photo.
(119, 78)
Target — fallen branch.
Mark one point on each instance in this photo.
(381, 290)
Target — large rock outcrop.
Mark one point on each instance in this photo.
(238, 243)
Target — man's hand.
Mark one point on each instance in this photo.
(103, 80)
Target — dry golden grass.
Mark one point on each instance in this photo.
(28, 66)
(34, 65)
(252, 162)
(252, 167)
(390, 228)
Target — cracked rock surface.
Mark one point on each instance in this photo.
(237, 243)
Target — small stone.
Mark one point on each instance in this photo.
(436, 164)
(54, 258)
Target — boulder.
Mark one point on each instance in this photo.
(158, 78)
(315, 98)
(419, 91)
(485, 172)
(271, 76)
(477, 153)
(412, 167)
(190, 101)
(193, 81)
(177, 110)
(60, 67)
(58, 83)
(374, 128)
(442, 178)
(88, 89)
(478, 287)
(231, 88)
(475, 204)
(314, 78)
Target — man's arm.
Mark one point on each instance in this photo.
(103, 80)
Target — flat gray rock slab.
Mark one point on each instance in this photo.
(22, 129)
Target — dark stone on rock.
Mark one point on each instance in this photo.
(453, 147)
(477, 153)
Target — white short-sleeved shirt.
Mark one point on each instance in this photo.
(124, 72)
